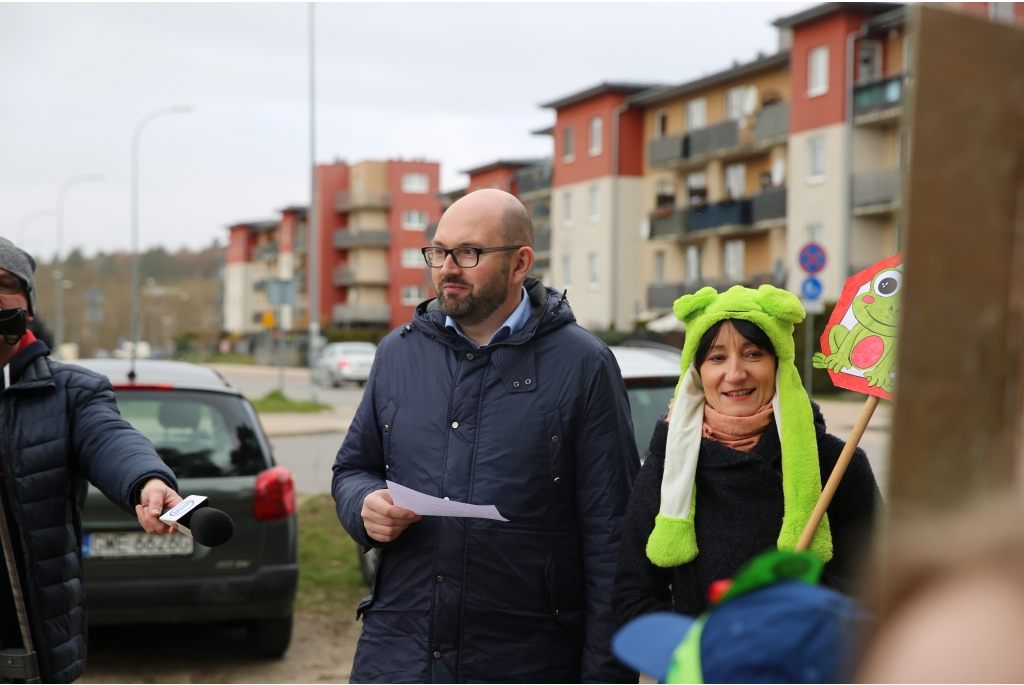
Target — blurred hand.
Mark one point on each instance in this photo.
(382, 519)
(156, 498)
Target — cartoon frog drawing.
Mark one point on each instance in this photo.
(870, 345)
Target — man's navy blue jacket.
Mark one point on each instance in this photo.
(537, 425)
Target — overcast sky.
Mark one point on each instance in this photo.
(457, 83)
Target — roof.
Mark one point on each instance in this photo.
(599, 89)
(827, 8)
(668, 92)
(150, 372)
(546, 131)
(499, 163)
(294, 209)
(888, 20)
(258, 226)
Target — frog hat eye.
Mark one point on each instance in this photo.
(888, 283)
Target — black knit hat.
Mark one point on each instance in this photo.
(21, 264)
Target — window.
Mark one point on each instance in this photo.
(697, 188)
(1001, 12)
(734, 103)
(869, 63)
(696, 114)
(567, 209)
(595, 136)
(412, 258)
(594, 266)
(413, 294)
(661, 123)
(659, 267)
(735, 180)
(778, 171)
(816, 159)
(734, 260)
(568, 145)
(595, 204)
(415, 183)
(414, 220)
(692, 264)
(817, 71)
(664, 193)
(567, 272)
(814, 232)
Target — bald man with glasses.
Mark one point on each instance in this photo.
(491, 395)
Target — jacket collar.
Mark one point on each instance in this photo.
(30, 369)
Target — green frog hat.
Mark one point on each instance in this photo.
(674, 541)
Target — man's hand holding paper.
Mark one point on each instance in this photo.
(383, 520)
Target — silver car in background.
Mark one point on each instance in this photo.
(346, 362)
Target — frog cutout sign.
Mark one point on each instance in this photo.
(859, 351)
(859, 343)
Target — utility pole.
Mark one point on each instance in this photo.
(311, 228)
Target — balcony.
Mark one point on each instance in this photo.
(668, 224)
(373, 314)
(542, 241)
(662, 296)
(729, 213)
(348, 238)
(713, 138)
(772, 122)
(534, 179)
(350, 200)
(266, 252)
(347, 274)
(878, 101)
(768, 205)
(665, 150)
(876, 191)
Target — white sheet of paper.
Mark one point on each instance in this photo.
(425, 505)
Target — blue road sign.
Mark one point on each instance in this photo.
(810, 288)
(812, 258)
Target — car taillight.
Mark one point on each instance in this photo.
(344, 363)
(275, 494)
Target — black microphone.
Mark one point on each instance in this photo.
(194, 517)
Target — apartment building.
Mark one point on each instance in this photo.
(371, 219)
(596, 204)
(714, 183)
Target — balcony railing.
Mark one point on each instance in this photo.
(267, 251)
(768, 204)
(534, 178)
(731, 212)
(668, 224)
(345, 314)
(878, 96)
(771, 122)
(714, 137)
(879, 187)
(346, 274)
(666, 149)
(542, 240)
(664, 295)
(347, 238)
(350, 200)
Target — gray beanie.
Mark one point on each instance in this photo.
(21, 264)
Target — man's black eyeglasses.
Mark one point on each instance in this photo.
(10, 285)
(464, 257)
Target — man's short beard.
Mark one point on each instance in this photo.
(476, 307)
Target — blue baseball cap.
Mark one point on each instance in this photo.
(788, 632)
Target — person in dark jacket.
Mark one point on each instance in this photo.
(491, 395)
(736, 467)
(61, 428)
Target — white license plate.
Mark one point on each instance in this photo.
(112, 545)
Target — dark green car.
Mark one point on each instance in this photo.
(210, 436)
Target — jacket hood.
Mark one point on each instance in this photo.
(550, 311)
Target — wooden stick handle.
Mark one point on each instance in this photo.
(837, 474)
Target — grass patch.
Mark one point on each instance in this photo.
(217, 358)
(329, 576)
(275, 401)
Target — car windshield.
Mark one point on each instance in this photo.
(358, 349)
(197, 434)
(647, 404)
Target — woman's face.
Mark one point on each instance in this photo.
(738, 376)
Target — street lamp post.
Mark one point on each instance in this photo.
(26, 220)
(145, 121)
(312, 244)
(58, 290)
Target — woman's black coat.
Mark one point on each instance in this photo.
(739, 514)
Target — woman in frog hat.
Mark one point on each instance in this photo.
(737, 466)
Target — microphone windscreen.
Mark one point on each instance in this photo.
(211, 527)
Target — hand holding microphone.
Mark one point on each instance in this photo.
(194, 517)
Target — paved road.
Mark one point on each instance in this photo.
(310, 458)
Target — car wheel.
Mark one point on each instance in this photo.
(362, 384)
(368, 564)
(269, 637)
(335, 382)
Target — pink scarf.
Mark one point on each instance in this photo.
(737, 432)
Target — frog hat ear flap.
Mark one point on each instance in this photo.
(673, 540)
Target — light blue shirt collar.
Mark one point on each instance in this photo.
(512, 324)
